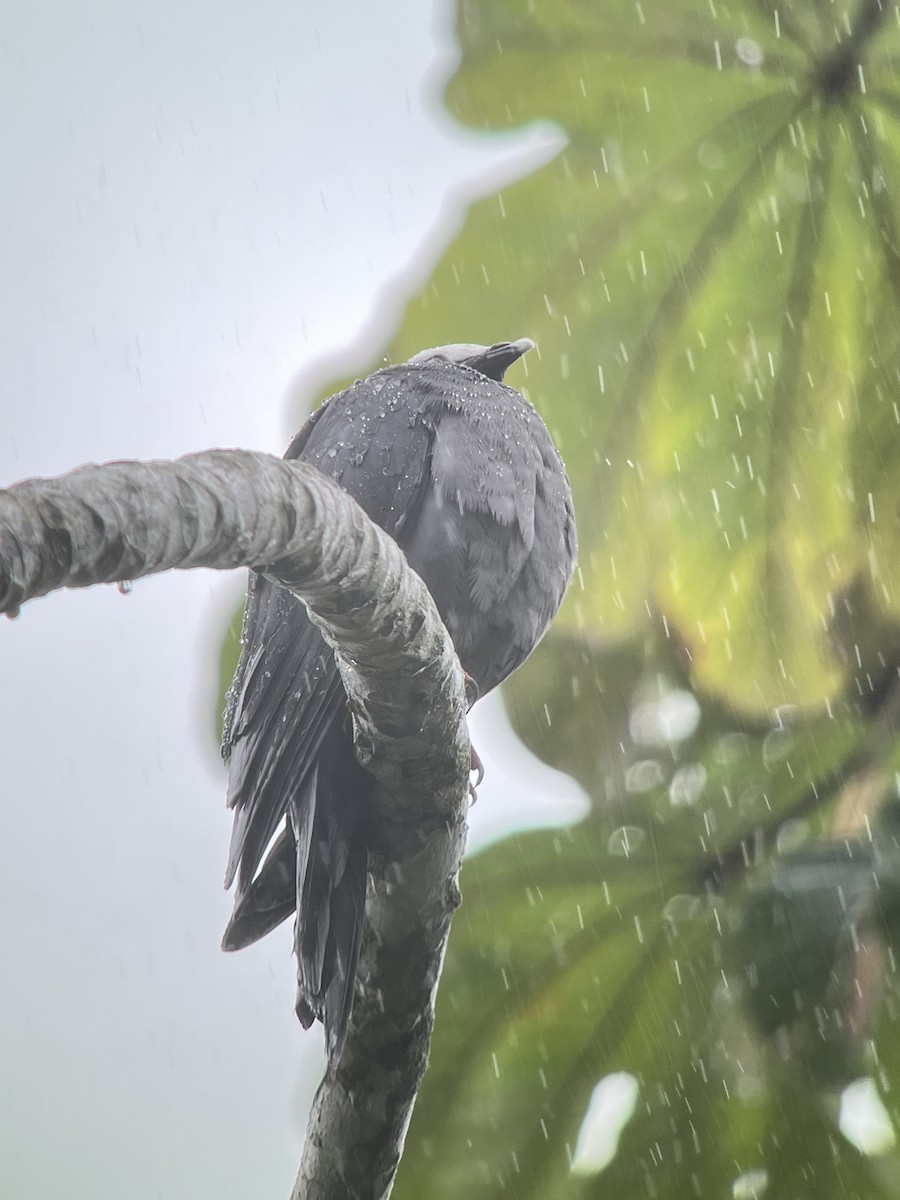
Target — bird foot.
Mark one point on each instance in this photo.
(473, 691)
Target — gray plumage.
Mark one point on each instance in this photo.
(461, 471)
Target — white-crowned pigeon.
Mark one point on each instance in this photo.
(461, 471)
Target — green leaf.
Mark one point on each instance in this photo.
(710, 269)
(608, 948)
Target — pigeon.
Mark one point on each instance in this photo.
(461, 471)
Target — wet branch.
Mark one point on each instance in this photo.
(226, 509)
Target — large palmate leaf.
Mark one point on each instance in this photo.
(710, 271)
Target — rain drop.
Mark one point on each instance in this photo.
(730, 748)
(687, 785)
(644, 776)
(776, 746)
(749, 52)
(671, 718)
(681, 908)
(625, 840)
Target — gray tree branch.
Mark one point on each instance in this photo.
(226, 509)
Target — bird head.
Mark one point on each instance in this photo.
(492, 361)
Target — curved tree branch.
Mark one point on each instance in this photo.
(232, 508)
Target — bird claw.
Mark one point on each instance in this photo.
(476, 766)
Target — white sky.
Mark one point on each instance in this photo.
(200, 201)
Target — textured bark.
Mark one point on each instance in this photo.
(226, 509)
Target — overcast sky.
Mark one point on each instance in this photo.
(203, 204)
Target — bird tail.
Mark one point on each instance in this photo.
(317, 866)
(328, 930)
(270, 898)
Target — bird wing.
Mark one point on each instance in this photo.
(375, 440)
(487, 538)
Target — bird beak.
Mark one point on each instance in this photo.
(500, 357)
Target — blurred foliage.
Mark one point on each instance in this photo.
(809, 946)
(710, 270)
(229, 654)
(706, 931)
(710, 267)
